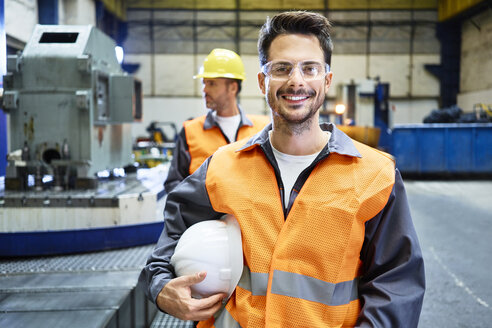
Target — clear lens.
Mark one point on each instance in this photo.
(283, 70)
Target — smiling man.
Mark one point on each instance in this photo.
(328, 240)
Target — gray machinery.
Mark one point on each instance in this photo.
(70, 105)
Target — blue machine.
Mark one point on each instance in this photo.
(443, 149)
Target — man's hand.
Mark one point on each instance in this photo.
(175, 299)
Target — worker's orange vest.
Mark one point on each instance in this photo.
(203, 143)
(301, 271)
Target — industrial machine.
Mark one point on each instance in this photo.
(158, 147)
(70, 105)
(70, 109)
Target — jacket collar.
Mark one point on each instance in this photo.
(210, 121)
(339, 142)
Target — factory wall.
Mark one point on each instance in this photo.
(77, 12)
(70, 12)
(20, 29)
(476, 62)
(170, 45)
(171, 93)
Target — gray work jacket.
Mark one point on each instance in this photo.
(392, 286)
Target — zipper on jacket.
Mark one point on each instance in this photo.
(237, 130)
(303, 176)
(223, 134)
(267, 150)
(225, 137)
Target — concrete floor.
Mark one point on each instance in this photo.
(454, 223)
(453, 220)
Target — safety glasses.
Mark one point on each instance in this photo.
(283, 70)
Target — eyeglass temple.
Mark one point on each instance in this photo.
(263, 67)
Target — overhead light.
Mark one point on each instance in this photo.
(340, 109)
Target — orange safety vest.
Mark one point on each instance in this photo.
(301, 271)
(203, 143)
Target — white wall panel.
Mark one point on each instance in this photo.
(255, 106)
(165, 109)
(21, 16)
(466, 100)
(423, 82)
(346, 68)
(174, 75)
(144, 71)
(250, 85)
(393, 69)
(198, 62)
(414, 111)
(77, 12)
(476, 50)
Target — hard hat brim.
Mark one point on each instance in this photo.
(219, 75)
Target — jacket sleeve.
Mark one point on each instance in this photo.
(186, 205)
(180, 164)
(392, 285)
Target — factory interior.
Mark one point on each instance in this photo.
(94, 94)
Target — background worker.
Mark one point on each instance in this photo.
(328, 240)
(222, 74)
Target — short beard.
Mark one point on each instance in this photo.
(293, 128)
(288, 126)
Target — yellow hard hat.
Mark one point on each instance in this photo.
(222, 63)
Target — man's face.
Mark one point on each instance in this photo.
(295, 100)
(218, 93)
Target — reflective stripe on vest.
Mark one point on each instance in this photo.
(203, 143)
(254, 282)
(304, 269)
(225, 320)
(300, 286)
(312, 289)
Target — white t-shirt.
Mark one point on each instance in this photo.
(228, 125)
(291, 166)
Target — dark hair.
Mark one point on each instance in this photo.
(239, 84)
(295, 22)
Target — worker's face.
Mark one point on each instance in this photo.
(218, 93)
(295, 100)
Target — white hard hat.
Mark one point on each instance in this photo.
(213, 246)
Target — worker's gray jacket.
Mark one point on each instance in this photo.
(180, 164)
(392, 286)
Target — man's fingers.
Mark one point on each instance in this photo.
(175, 299)
(192, 279)
(212, 300)
(206, 308)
